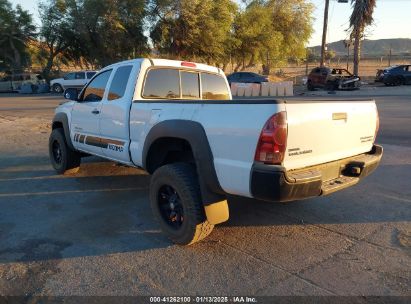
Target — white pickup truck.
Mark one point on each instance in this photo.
(177, 121)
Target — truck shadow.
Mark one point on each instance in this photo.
(104, 209)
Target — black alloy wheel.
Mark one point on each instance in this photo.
(170, 206)
(56, 151)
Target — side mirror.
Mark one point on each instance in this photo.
(71, 94)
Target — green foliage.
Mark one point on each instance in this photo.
(330, 54)
(109, 31)
(219, 32)
(361, 15)
(16, 30)
(100, 32)
(192, 29)
(56, 32)
(273, 32)
(258, 39)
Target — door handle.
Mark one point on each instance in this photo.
(95, 111)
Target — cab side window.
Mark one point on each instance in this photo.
(214, 87)
(95, 89)
(119, 83)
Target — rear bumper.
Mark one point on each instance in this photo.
(273, 183)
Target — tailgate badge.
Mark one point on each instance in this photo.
(340, 116)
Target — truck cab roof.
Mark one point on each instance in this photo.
(169, 63)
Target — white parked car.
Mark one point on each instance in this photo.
(71, 80)
(177, 121)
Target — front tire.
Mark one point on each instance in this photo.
(176, 203)
(62, 158)
(399, 81)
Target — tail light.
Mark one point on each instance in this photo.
(273, 140)
(377, 125)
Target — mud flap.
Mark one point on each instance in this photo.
(217, 213)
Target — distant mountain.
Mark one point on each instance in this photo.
(372, 47)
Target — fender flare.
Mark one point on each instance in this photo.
(194, 133)
(62, 118)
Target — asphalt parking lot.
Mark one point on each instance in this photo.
(92, 233)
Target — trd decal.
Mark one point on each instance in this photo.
(297, 151)
(105, 143)
(115, 148)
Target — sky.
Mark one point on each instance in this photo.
(392, 19)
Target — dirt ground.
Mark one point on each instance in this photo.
(92, 233)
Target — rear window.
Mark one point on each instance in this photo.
(214, 87)
(166, 83)
(162, 83)
(119, 82)
(190, 85)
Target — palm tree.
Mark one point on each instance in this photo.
(16, 30)
(361, 17)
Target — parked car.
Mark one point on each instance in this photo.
(332, 79)
(177, 120)
(14, 82)
(395, 75)
(246, 77)
(71, 80)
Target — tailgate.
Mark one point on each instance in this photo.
(324, 131)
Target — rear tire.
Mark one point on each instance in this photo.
(331, 86)
(57, 88)
(310, 87)
(176, 203)
(62, 158)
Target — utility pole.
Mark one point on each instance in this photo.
(324, 41)
(389, 57)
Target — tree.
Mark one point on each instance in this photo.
(273, 31)
(194, 30)
(56, 31)
(16, 30)
(92, 31)
(258, 39)
(330, 55)
(361, 17)
(110, 30)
